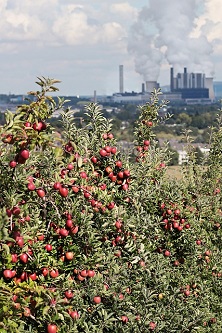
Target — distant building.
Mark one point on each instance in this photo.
(192, 85)
(217, 85)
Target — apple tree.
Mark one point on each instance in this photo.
(92, 240)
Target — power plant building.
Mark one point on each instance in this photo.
(189, 88)
(192, 85)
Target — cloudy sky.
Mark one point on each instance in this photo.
(83, 42)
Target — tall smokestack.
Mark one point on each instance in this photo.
(143, 88)
(121, 88)
(94, 97)
(185, 77)
(171, 79)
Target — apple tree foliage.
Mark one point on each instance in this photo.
(92, 240)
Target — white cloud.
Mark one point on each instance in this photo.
(72, 39)
(124, 10)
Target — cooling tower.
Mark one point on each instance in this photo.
(150, 85)
(209, 85)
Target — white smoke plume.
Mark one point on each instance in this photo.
(164, 31)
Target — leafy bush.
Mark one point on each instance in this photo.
(92, 241)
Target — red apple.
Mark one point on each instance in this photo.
(74, 314)
(124, 319)
(103, 152)
(48, 247)
(31, 186)
(51, 328)
(54, 273)
(24, 258)
(63, 191)
(69, 255)
(12, 164)
(63, 232)
(97, 299)
(91, 273)
(24, 154)
(69, 294)
(40, 192)
(7, 273)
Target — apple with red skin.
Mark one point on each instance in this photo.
(74, 230)
(40, 192)
(74, 314)
(33, 277)
(84, 273)
(103, 152)
(7, 273)
(83, 175)
(94, 159)
(12, 164)
(113, 150)
(69, 223)
(91, 273)
(167, 253)
(63, 191)
(69, 255)
(124, 319)
(80, 277)
(27, 124)
(31, 186)
(40, 126)
(20, 241)
(54, 273)
(118, 253)
(152, 326)
(52, 328)
(48, 247)
(57, 185)
(119, 164)
(14, 257)
(75, 189)
(16, 210)
(111, 205)
(186, 293)
(25, 154)
(97, 299)
(108, 149)
(45, 271)
(102, 187)
(118, 224)
(120, 174)
(70, 166)
(125, 187)
(69, 294)
(24, 276)
(63, 232)
(24, 258)
(126, 173)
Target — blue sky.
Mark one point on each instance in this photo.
(83, 42)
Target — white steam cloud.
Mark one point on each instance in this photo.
(164, 31)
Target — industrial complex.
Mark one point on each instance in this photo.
(189, 88)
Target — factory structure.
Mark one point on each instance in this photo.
(188, 88)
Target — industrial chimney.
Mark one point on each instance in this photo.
(121, 89)
(171, 79)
